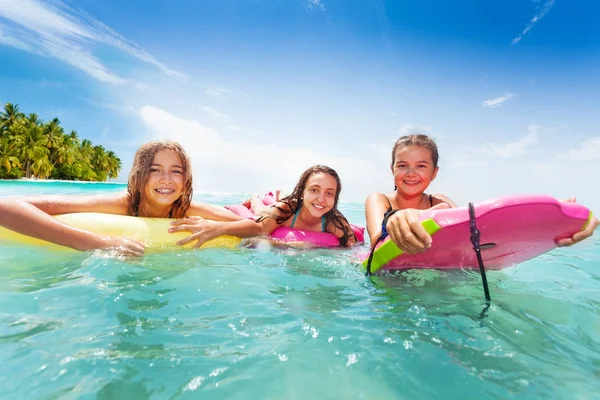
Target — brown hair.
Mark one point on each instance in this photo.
(293, 202)
(417, 140)
(138, 177)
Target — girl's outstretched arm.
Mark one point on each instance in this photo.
(33, 217)
(203, 230)
(215, 213)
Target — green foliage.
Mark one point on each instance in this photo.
(14, 173)
(32, 148)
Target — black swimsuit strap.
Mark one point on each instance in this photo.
(389, 203)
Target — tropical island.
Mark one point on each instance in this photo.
(32, 148)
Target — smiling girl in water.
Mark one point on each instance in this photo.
(312, 206)
(415, 166)
(160, 186)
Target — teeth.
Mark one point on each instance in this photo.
(165, 191)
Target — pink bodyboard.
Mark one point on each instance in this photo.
(513, 229)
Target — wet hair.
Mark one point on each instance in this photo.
(138, 177)
(293, 202)
(417, 139)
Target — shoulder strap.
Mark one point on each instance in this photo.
(295, 216)
(389, 203)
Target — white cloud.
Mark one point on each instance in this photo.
(268, 163)
(8, 37)
(391, 113)
(383, 150)
(120, 108)
(55, 30)
(497, 101)
(513, 149)
(545, 9)
(589, 150)
(315, 5)
(409, 129)
(104, 133)
(214, 113)
(465, 162)
(83, 60)
(544, 168)
(219, 93)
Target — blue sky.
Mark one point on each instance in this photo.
(258, 90)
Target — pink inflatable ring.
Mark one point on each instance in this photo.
(289, 235)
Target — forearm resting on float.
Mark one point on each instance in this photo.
(215, 213)
(244, 228)
(202, 229)
(25, 218)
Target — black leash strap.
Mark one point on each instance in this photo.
(384, 234)
(475, 234)
(379, 239)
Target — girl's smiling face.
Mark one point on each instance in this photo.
(165, 181)
(319, 194)
(413, 169)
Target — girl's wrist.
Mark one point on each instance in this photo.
(89, 241)
(220, 228)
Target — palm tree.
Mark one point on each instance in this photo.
(33, 119)
(64, 151)
(100, 163)
(86, 150)
(54, 132)
(30, 143)
(42, 167)
(9, 116)
(7, 158)
(114, 164)
(74, 138)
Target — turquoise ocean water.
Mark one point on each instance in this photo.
(290, 324)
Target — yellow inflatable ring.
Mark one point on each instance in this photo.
(152, 232)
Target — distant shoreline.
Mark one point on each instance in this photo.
(34, 180)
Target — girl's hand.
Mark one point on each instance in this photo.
(201, 229)
(126, 247)
(248, 202)
(581, 235)
(406, 231)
